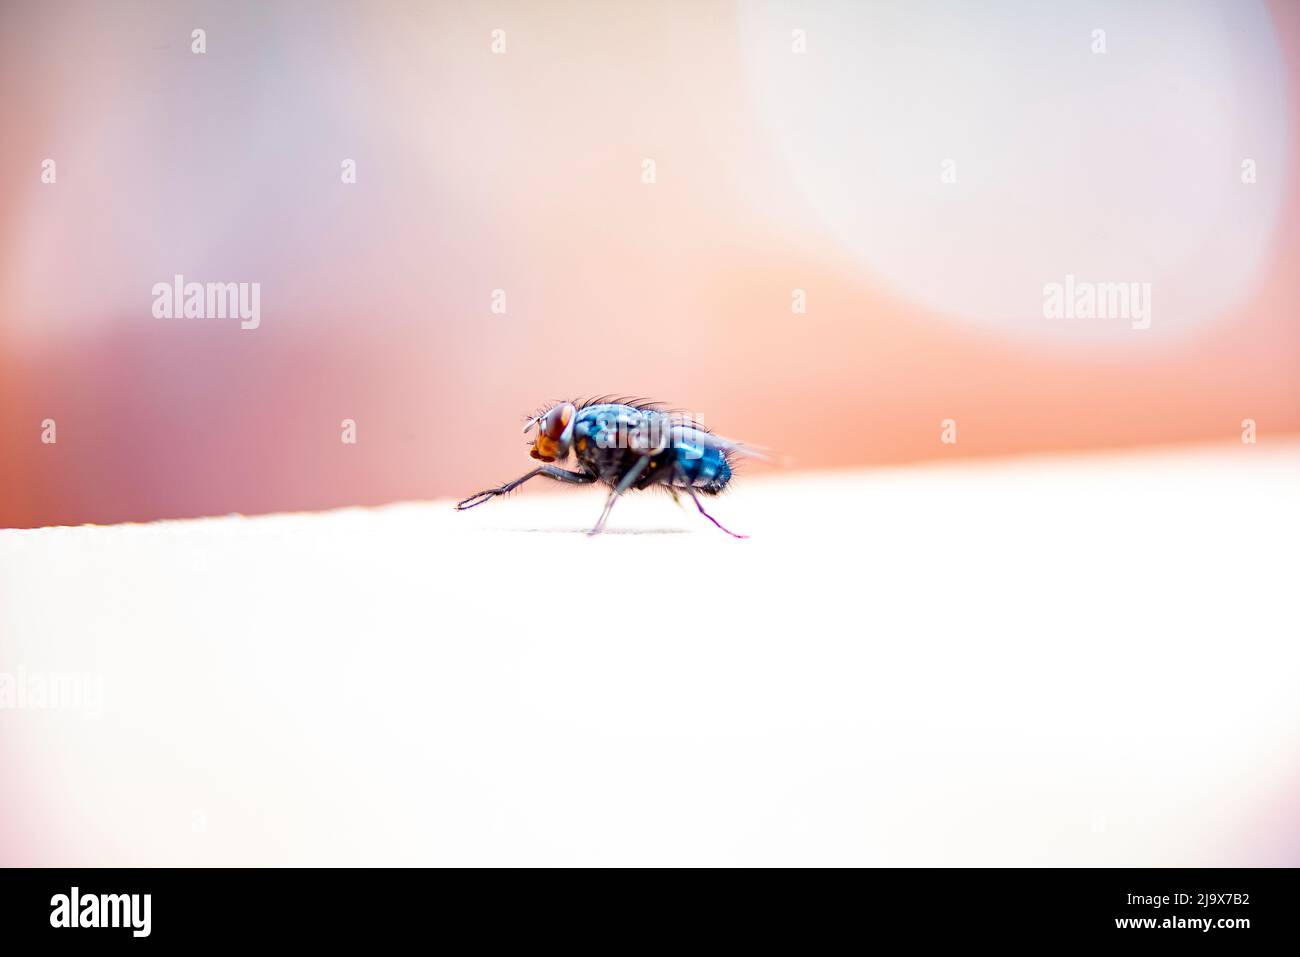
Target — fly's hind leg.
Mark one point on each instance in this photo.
(623, 485)
(550, 471)
(700, 506)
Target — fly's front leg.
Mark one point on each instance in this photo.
(550, 471)
(624, 484)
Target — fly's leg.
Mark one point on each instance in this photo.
(624, 484)
(677, 499)
(550, 471)
(700, 506)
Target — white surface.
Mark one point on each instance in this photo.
(1068, 661)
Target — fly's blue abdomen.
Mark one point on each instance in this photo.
(701, 466)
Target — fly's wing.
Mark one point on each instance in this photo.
(693, 437)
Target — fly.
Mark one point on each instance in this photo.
(627, 444)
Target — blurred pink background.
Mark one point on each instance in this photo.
(775, 171)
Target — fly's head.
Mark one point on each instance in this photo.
(554, 432)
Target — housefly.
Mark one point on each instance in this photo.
(626, 444)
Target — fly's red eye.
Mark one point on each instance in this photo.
(555, 421)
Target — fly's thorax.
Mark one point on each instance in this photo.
(625, 427)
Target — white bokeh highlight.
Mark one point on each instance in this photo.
(1114, 167)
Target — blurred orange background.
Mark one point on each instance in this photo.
(524, 170)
